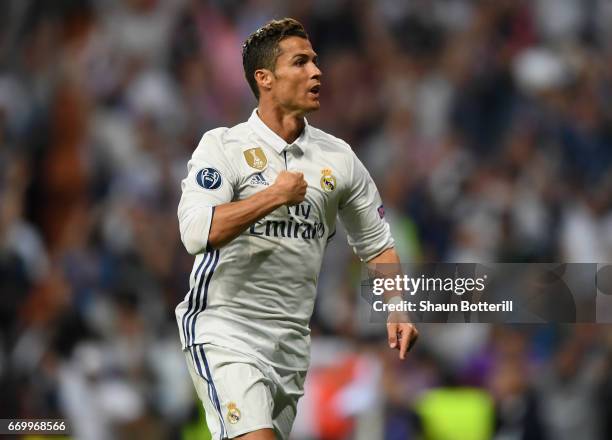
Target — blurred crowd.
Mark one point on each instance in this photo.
(487, 126)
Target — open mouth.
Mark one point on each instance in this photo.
(315, 90)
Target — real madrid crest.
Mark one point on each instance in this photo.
(233, 413)
(256, 158)
(328, 181)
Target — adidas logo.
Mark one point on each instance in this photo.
(258, 179)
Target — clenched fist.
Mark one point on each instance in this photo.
(291, 187)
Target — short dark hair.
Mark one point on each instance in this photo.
(260, 50)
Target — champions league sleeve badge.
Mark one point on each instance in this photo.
(328, 181)
(209, 178)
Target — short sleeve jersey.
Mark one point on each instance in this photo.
(256, 294)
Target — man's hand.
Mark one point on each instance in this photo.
(290, 186)
(401, 334)
(231, 219)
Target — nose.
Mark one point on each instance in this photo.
(316, 72)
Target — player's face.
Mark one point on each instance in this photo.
(296, 78)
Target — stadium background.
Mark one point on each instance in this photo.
(487, 126)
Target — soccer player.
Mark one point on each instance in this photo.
(258, 206)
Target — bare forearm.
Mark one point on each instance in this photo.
(391, 268)
(388, 256)
(231, 219)
(401, 334)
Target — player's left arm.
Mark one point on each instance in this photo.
(401, 333)
(362, 214)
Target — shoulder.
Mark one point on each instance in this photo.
(237, 134)
(225, 139)
(329, 142)
(211, 139)
(337, 151)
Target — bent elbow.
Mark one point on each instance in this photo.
(194, 226)
(192, 249)
(192, 246)
(213, 240)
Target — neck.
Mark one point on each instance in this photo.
(288, 126)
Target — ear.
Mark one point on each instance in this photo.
(264, 78)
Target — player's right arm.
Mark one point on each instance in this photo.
(230, 219)
(208, 218)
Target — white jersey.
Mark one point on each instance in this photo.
(256, 294)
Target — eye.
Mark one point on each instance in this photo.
(300, 62)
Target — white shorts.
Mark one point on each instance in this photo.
(241, 394)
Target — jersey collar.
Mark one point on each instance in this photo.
(274, 140)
